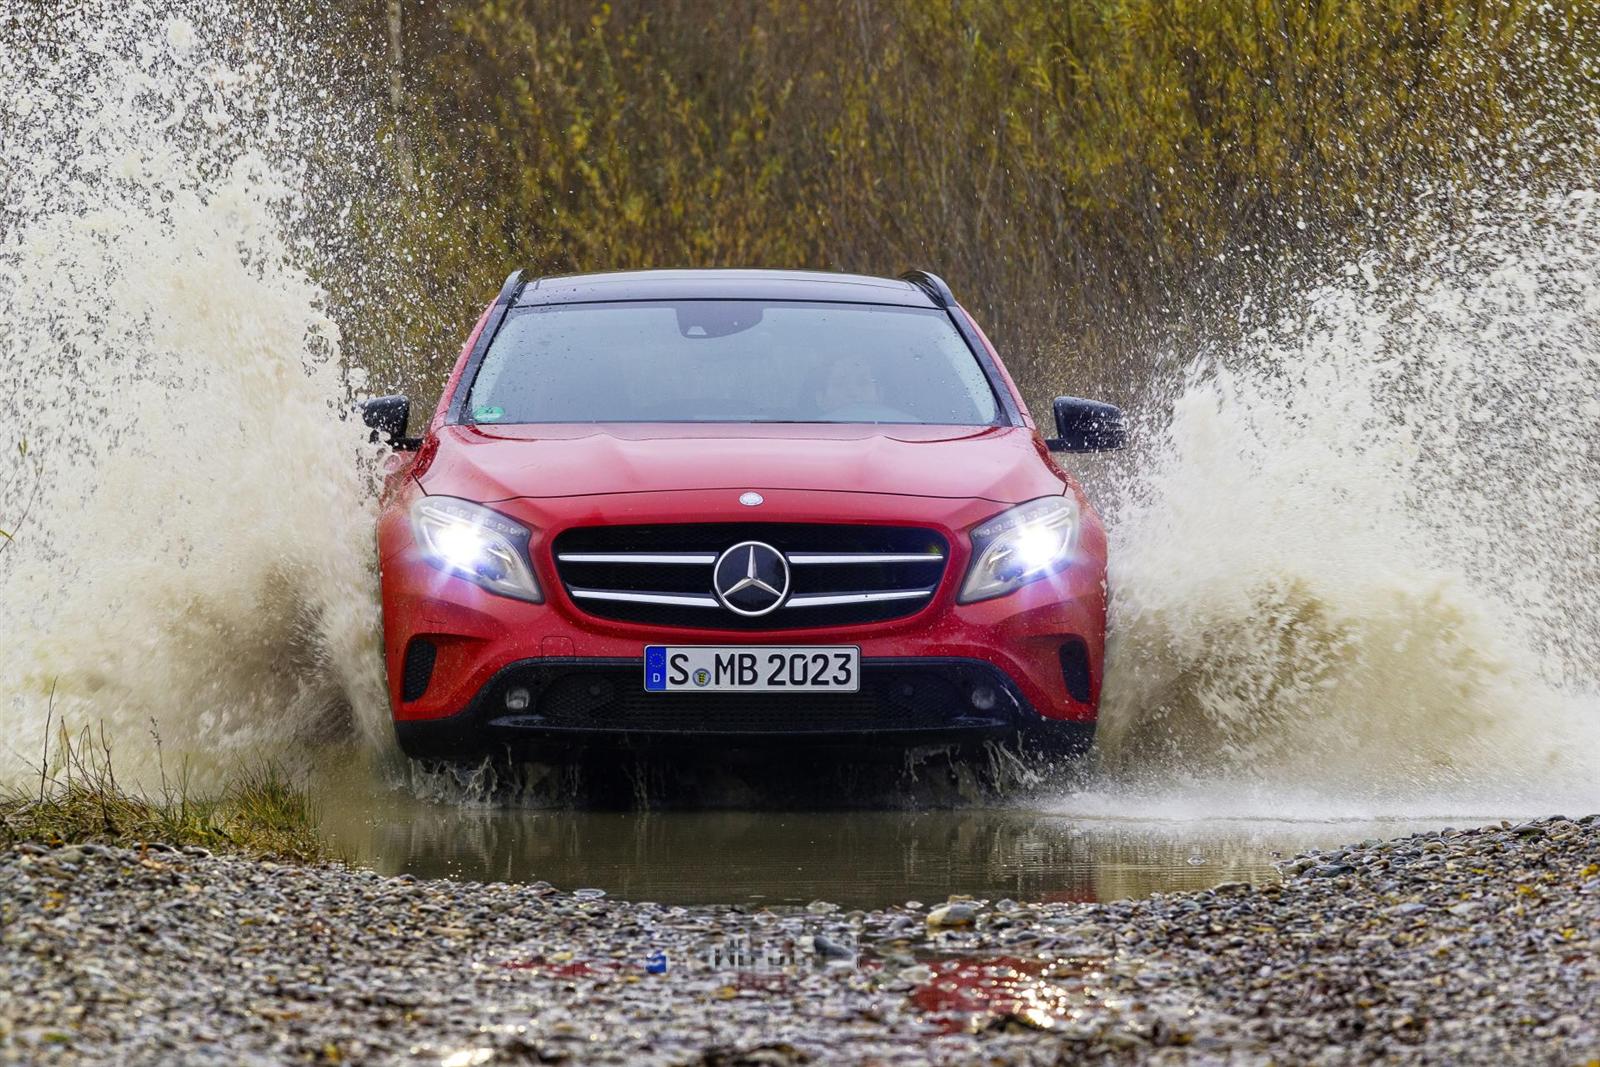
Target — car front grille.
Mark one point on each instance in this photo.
(663, 574)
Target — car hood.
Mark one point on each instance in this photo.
(1003, 464)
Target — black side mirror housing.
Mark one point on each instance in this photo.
(388, 416)
(1087, 426)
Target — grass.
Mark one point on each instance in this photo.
(77, 798)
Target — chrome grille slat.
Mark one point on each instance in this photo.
(820, 558)
(682, 600)
(704, 559)
(817, 600)
(708, 558)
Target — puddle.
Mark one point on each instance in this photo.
(857, 859)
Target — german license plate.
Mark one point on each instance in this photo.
(752, 668)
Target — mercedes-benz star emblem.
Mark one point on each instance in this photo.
(751, 578)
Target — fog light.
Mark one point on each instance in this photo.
(517, 699)
(984, 698)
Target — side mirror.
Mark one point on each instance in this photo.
(1087, 426)
(388, 416)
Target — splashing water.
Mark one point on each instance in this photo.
(1353, 573)
(1356, 570)
(190, 522)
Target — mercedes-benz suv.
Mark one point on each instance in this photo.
(728, 506)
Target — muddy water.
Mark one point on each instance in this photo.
(858, 859)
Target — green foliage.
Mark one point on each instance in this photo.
(1083, 172)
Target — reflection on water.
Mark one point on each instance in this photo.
(855, 858)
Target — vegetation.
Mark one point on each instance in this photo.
(77, 799)
(27, 477)
(1088, 174)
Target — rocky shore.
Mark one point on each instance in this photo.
(1464, 946)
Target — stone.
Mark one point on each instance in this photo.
(960, 913)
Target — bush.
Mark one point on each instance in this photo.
(1086, 174)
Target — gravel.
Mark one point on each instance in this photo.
(1463, 946)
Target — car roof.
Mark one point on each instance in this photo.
(723, 284)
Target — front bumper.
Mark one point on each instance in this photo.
(902, 703)
(1042, 646)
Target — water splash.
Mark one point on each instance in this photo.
(192, 545)
(1355, 570)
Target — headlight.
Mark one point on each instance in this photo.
(1021, 545)
(480, 545)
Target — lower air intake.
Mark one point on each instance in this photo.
(1075, 670)
(418, 669)
(931, 696)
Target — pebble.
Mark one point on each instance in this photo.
(827, 948)
(956, 914)
(108, 959)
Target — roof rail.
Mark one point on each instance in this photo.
(931, 284)
(513, 286)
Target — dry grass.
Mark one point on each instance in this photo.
(77, 798)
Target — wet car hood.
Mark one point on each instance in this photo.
(488, 463)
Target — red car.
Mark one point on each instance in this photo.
(726, 506)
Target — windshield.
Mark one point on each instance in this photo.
(730, 361)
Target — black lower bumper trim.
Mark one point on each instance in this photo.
(902, 703)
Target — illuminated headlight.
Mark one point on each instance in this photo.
(480, 545)
(1021, 545)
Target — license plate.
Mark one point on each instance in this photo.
(752, 668)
